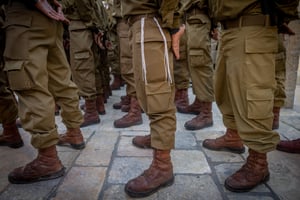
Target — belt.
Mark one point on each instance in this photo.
(247, 20)
(133, 18)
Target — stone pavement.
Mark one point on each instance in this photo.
(109, 160)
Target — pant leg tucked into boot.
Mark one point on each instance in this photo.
(159, 174)
(11, 136)
(73, 137)
(231, 142)
(45, 167)
(253, 173)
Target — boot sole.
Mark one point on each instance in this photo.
(240, 190)
(228, 149)
(90, 123)
(42, 178)
(13, 145)
(74, 146)
(128, 125)
(193, 128)
(148, 193)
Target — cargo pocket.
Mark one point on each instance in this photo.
(158, 97)
(260, 103)
(196, 57)
(82, 60)
(18, 77)
(198, 19)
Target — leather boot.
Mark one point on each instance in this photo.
(116, 84)
(45, 167)
(292, 146)
(194, 108)
(11, 136)
(251, 174)
(181, 98)
(204, 119)
(100, 105)
(91, 114)
(133, 117)
(231, 142)
(159, 174)
(73, 137)
(142, 141)
(276, 113)
(125, 100)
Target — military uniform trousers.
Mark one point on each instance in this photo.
(153, 72)
(83, 59)
(280, 94)
(199, 56)
(126, 57)
(245, 84)
(8, 104)
(39, 73)
(181, 70)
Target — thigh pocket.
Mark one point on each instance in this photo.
(19, 78)
(158, 97)
(260, 103)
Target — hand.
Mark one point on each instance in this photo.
(214, 34)
(176, 41)
(47, 10)
(98, 38)
(60, 12)
(285, 29)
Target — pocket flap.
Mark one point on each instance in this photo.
(82, 55)
(18, 20)
(260, 94)
(196, 52)
(11, 65)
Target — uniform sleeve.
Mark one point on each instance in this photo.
(169, 13)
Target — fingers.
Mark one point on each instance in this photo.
(46, 9)
(176, 41)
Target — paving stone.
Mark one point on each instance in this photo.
(248, 196)
(285, 176)
(204, 134)
(82, 183)
(125, 168)
(223, 156)
(99, 150)
(126, 148)
(116, 192)
(185, 140)
(191, 188)
(189, 162)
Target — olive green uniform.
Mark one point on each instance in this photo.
(125, 51)
(8, 105)
(280, 95)
(153, 64)
(39, 73)
(198, 26)
(245, 74)
(84, 19)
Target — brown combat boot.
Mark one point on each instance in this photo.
(11, 136)
(125, 100)
(117, 82)
(159, 174)
(194, 108)
(73, 137)
(231, 142)
(142, 141)
(276, 113)
(204, 119)
(100, 105)
(45, 167)
(292, 146)
(181, 98)
(91, 114)
(253, 173)
(133, 117)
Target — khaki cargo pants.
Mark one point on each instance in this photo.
(245, 84)
(153, 72)
(39, 73)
